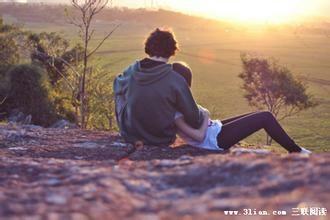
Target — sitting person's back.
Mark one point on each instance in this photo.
(154, 94)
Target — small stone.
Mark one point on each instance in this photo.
(79, 216)
(239, 151)
(88, 145)
(139, 186)
(13, 135)
(56, 199)
(63, 124)
(31, 127)
(166, 163)
(19, 117)
(53, 182)
(88, 196)
(118, 144)
(17, 148)
(32, 217)
(186, 157)
(54, 216)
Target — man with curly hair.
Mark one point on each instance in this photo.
(150, 92)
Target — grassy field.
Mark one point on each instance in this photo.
(214, 57)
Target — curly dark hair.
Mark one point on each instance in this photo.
(161, 43)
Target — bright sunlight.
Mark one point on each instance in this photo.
(258, 11)
(243, 11)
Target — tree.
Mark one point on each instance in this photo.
(55, 54)
(268, 85)
(87, 10)
(59, 58)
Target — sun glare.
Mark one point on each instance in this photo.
(257, 11)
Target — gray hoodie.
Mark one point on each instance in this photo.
(147, 100)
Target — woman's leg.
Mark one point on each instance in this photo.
(227, 120)
(237, 130)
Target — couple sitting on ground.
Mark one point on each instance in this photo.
(154, 104)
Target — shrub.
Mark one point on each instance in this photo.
(27, 91)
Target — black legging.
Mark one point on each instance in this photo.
(237, 128)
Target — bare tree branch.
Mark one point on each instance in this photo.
(3, 101)
(64, 61)
(104, 39)
(292, 111)
(91, 35)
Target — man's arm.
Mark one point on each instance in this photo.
(196, 134)
(186, 104)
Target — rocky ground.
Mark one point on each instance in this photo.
(74, 174)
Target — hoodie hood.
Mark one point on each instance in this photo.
(146, 76)
(143, 76)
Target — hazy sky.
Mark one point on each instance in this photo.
(241, 9)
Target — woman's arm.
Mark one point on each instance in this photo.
(196, 134)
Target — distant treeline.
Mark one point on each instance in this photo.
(24, 13)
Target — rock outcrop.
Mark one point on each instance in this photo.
(75, 174)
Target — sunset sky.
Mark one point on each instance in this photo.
(242, 10)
